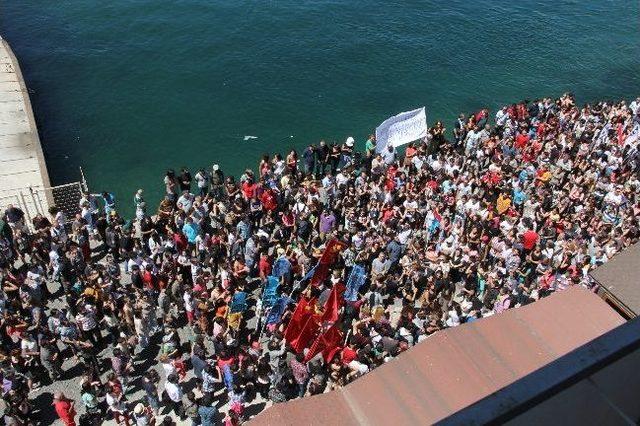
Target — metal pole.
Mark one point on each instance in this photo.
(262, 325)
(26, 209)
(35, 204)
(84, 181)
(346, 339)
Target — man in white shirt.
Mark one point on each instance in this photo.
(202, 179)
(472, 140)
(634, 106)
(389, 155)
(174, 392)
(472, 205)
(185, 201)
(501, 117)
(341, 178)
(615, 197)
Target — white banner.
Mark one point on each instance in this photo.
(403, 128)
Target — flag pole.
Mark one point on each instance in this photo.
(346, 339)
(261, 325)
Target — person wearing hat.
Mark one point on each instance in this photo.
(143, 415)
(347, 152)
(65, 408)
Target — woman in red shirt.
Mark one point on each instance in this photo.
(248, 189)
(65, 409)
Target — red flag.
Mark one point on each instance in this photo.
(327, 343)
(320, 274)
(620, 134)
(297, 321)
(334, 303)
(331, 252)
(329, 256)
(306, 335)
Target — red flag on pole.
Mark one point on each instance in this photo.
(306, 335)
(331, 252)
(334, 303)
(298, 318)
(320, 274)
(329, 256)
(327, 343)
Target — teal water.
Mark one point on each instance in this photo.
(128, 88)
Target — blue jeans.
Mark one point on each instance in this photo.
(301, 388)
(153, 401)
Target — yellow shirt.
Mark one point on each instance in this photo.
(503, 204)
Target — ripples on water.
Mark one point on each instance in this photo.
(128, 88)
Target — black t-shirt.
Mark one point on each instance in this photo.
(146, 225)
(68, 270)
(136, 280)
(126, 242)
(322, 152)
(421, 283)
(304, 229)
(185, 180)
(41, 222)
(440, 284)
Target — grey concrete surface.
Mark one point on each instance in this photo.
(22, 162)
(69, 384)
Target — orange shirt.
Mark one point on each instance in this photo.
(503, 204)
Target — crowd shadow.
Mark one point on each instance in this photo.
(254, 409)
(43, 408)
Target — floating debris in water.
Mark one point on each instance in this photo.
(247, 138)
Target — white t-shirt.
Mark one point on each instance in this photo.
(188, 302)
(341, 179)
(201, 179)
(29, 345)
(174, 391)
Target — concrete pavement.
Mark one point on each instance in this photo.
(22, 164)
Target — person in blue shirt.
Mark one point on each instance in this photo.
(207, 411)
(109, 202)
(190, 230)
(519, 197)
(523, 176)
(244, 228)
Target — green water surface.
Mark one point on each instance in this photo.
(128, 88)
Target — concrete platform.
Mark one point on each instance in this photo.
(24, 180)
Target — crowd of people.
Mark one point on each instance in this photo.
(449, 231)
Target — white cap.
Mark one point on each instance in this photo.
(350, 141)
(215, 167)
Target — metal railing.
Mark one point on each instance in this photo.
(33, 201)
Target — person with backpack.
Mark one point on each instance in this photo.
(207, 411)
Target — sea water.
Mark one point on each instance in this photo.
(129, 88)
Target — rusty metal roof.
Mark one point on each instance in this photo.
(458, 366)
